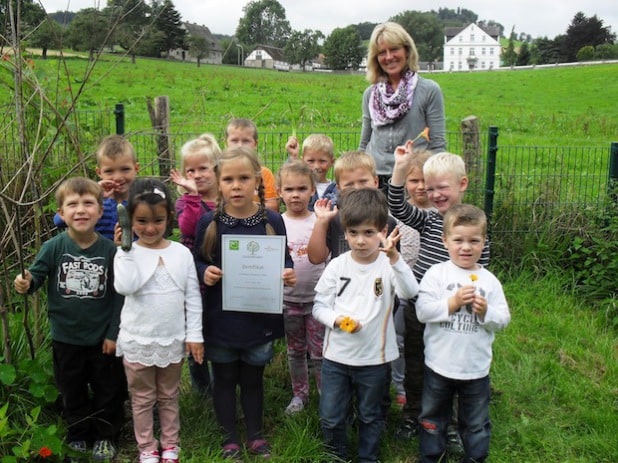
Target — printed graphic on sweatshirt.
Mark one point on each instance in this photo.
(82, 277)
(463, 320)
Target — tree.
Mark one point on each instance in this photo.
(168, 21)
(523, 58)
(585, 31)
(606, 51)
(199, 47)
(302, 46)
(509, 57)
(426, 31)
(131, 20)
(31, 15)
(365, 29)
(47, 35)
(547, 51)
(264, 23)
(88, 31)
(585, 53)
(344, 49)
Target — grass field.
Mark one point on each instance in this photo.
(561, 106)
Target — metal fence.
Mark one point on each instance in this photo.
(521, 188)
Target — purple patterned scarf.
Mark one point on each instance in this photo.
(387, 106)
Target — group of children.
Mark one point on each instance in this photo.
(345, 286)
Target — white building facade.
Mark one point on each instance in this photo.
(471, 48)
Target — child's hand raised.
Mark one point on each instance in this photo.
(188, 184)
(403, 160)
(324, 210)
(389, 245)
(292, 147)
(108, 187)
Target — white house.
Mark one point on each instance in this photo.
(267, 57)
(214, 54)
(471, 47)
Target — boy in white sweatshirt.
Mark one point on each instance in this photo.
(462, 305)
(354, 300)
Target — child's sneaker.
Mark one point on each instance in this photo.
(400, 400)
(149, 457)
(259, 447)
(296, 405)
(103, 450)
(232, 452)
(170, 455)
(77, 447)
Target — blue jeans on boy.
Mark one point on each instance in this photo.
(474, 423)
(340, 384)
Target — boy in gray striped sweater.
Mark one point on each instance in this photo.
(445, 182)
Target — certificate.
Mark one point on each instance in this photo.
(252, 267)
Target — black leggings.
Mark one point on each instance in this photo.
(250, 378)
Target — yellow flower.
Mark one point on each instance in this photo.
(347, 324)
(473, 277)
(424, 134)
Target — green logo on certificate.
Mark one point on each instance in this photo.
(234, 245)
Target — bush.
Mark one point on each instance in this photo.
(594, 259)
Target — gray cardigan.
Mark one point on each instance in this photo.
(427, 111)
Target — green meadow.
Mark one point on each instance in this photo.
(557, 106)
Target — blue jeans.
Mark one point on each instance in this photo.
(474, 424)
(340, 383)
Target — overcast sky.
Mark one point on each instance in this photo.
(535, 17)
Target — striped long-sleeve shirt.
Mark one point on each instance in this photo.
(429, 224)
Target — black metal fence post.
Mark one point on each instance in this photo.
(119, 113)
(490, 174)
(613, 171)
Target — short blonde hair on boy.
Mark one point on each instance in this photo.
(298, 167)
(115, 147)
(464, 214)
(80, 186)
(445, 164)
(242, 124)
(321, 143)
(352, 160)
(393, 35)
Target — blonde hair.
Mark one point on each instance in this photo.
(393, 35)
(205, 145)
(115, 147)
(352, 160)
(80, 186)
(445, 164)
(319, 142)
(298, 167)
(418, 160)
(464, 214)
(249, 156)
(242, 124)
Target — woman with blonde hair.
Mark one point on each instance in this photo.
(399, 104)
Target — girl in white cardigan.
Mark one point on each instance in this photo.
(161, 319)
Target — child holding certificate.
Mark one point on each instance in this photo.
(303, 333)
(161, 319)
(238, 344)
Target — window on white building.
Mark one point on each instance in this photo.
(461, 51)
(452, 51)
(471, 37)
(483, 51)
(491, 51)
(461, 38)
(472, 52)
